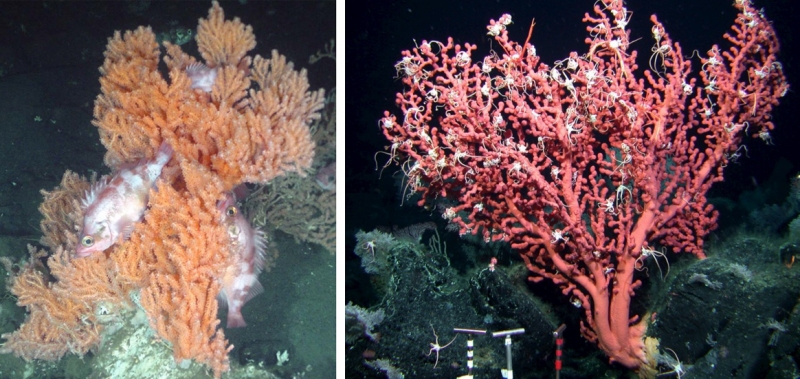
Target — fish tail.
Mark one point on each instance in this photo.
(164, 153)
(235, 318)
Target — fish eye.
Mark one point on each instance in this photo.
(87, 241)
(231, 211)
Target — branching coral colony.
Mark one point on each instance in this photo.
(229, 118)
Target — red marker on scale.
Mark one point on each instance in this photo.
(558, 334)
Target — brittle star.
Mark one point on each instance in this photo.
(435, 346)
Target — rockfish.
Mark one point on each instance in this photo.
(114, 205)
(326, 177)
(240, 281)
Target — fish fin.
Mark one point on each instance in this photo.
(164, 153)
(260, 242)
(235, 319)
(94, 191)
(222, 300)
(127, 230)
(255, 290)
(196, 68)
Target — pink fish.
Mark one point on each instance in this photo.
(326, 177)
(113, 206)
(240, 281)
